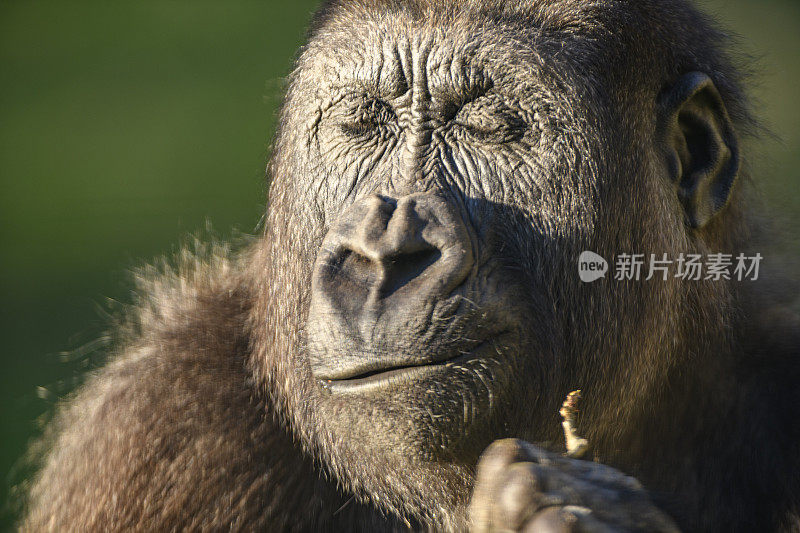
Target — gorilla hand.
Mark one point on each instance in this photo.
(521, 487)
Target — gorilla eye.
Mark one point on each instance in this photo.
(491, 120)
(367, 117)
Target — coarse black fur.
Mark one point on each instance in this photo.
(209, 415)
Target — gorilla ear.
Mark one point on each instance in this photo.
(701, 146)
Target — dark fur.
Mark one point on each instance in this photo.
(207, 418)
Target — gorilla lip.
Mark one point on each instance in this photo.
(381, 379)
(387, 377)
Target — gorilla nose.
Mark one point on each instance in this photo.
(382, 246)
(382, 268)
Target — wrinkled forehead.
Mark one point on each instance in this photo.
(453, 55)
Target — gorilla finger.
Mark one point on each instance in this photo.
(567, 519)
(490, 474)
(519, 496)
(499, 455)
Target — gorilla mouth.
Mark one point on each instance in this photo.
(387, 377)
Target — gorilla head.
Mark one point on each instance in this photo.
(442, 166)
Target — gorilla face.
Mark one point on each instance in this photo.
(429, 175)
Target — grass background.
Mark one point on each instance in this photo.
(126, 125)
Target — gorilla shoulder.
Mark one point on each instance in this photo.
(153, 436)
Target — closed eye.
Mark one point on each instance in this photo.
(491, 119)
(366, 116)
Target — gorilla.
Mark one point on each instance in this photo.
(392, 352)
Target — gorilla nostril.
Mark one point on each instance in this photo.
(357, 268)
(403, 268)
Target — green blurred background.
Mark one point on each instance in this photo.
(125, 126)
